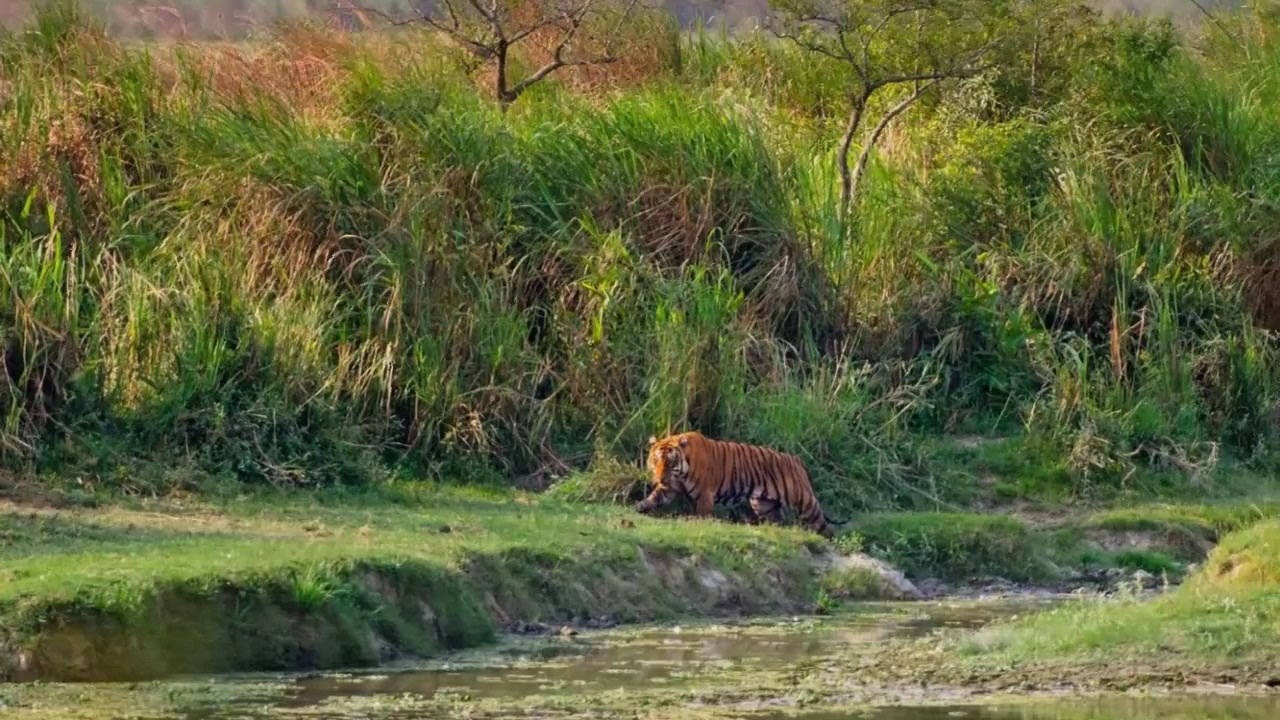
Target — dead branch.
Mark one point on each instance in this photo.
(488, 30)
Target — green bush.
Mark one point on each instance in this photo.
(953, 545)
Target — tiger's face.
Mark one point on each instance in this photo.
(669, 465)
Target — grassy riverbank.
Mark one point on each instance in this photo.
(113, 586)
(1222, 626)
(1041, 542)
(284, 581)
(1227, 615)
(828, 667)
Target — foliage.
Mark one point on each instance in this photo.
(321, 257)
(881, 45)
(953, 545)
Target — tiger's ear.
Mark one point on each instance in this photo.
(684, 441)
(652, 440)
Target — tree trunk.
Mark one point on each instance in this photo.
(846, 143)
(864, 157)
(505, 96)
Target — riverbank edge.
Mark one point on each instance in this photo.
(366, 612)
(1217, 629)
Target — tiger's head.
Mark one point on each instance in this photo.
(669, 464)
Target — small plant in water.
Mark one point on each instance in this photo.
(825, 603)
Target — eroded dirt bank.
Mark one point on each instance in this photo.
(375, 612)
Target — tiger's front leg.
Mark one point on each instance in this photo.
(704, 506)
(656, 499)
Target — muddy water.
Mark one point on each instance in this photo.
(737, 670)
(607, 661)
(630, 659)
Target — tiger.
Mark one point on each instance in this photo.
(709, 471)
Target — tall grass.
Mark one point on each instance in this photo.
(316, 257)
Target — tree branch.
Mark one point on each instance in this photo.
(573, 20)
(884, 43)
(453, 30)
(557, 61)
(846, 142)
(491, 16)
(487, 29)
(811, 46)
(865, 155)
(541, 24)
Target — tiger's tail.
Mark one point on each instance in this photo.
(809, 509)
(812, 515)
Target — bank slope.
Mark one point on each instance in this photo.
(283, 582)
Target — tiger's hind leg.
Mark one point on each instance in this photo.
(766, 510)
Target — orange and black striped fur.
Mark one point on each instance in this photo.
(709, 471)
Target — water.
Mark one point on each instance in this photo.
(750, 670)
(1109, 708)
(607, 661)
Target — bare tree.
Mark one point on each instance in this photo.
(887, 44)
(579, 32)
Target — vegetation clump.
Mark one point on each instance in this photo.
(1225, 615)
(1246, 560)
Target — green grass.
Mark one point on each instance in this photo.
(1150, 561)
(1247, 559)
(63, 555)
(953, 545)
(108, 553)
(1211, 520)
(1050, 542)
(272, 580)
(966, 546)
(1228, 613)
